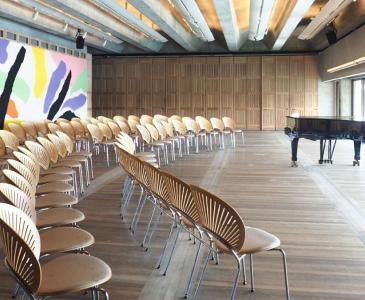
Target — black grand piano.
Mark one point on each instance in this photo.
(327, 130)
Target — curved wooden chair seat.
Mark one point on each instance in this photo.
(58, 170)
(72, 273)
(54, 177)
(256, 240)
(67, 163)
(59, 217)
(54, 200)
(59, 187)
(64, 239)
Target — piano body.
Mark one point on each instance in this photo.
(327, 130)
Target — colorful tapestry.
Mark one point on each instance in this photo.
(36, 83)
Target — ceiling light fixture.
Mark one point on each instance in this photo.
(324, 17)
(260, 15)
(35, 15)
(347, 65)
(104, 43)
(65, 27)
(296, 15)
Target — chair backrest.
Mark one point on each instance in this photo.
(140, 171)
(160, 117)
(59, 144)
(28, 153)
(191, 125)
(13, 195)
(204, 123)
(67, 128)
(41, 126)
(21, 245)
(176, 117)
(106, 120)
(30, 129)
(78, 128)
(229, 123)
(18, 131)
(133, 117)
(157, 183)
(50, 148)
(95, 132)
(114, 128)
(153, 131)
(161, 129)
(53, 127)
(179, 127)
(168, 128)
(93, 120)
(10, 140)
(123, 125)
(32, 165)
(120, 118)
(181, 197)
(128, 142)
(39, 152)
(219, 219)
(145, 134)
(66, 140)
(107, 133)
(23, 171)
(18, 180)
(59, 120)
(217, 124)
(145, 119)
(132, 123)
(2, 147)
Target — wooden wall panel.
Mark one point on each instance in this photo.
(257, 91)
(297, 82)
(268, 93)
(253, 93)
(227, 86)
(240, 74)
(311, 85)
(198, 86)
(185, 87)
(172, 86)
(212, 89)
(159, 86)
(282, 90)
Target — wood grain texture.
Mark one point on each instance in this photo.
(257, 91)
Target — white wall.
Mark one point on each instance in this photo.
(326, 98)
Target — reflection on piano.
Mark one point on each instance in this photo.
(327, 130)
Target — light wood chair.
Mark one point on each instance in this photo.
(132, 123)
(52, 152)
(123, 126)
(218, 126)
(100, 141)
(182, 133)
(10, 139)
(55, 239)
(59, 216)
(146, 119)
(230, 125)
(161, 118)
(207, 127)
(134, 117)
(157, 138)
(18, 131)
(81, 134)
(30, 130)
(195, 132)
(120, 118)
(176, 117)
(69, 273)
(231, 236)
(163, 137)
(53, 127)
(114, 128)
(42, 128)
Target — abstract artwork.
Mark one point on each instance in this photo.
(36, 83)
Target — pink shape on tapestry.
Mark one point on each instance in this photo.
(75, 64)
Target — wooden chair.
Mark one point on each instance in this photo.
(10, 139)
(52, 217)
(218, 126)
(207, 127)
(230, 125)
(114, 129)
(55, 239)
(81, 134)
(69, 273)
(53, 127)
(132, 123)
(169, 141)
(123, 126)
(18, 131)
(161, 118)
(146, 119)
(157, 138)
(30, 130)
(231, 236)
(176, 117)
(182, 133)
(120, 118)
(42, 128)
(134, 117)
(195, 132)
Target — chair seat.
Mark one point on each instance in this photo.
(150, 160)
(82, 153)
(64, 239)
(59, 217)
(59, 187)
(72, 273)
(54, 177)
(58, 170)
(54, 200)
(256, 240)
(145, 154)
(65, 163)
(76, 158)
(237, 130)
(157, 144)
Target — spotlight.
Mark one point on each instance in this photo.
(35, 15)
(65, 27)
(80, 41)
(104, 43)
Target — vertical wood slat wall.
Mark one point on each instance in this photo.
(257, 91)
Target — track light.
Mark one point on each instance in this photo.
(35, 15)
(104, 43)
(260, 15)
(65, 27)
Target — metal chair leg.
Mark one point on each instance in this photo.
(233, 293)
(165, 246)
(243, 263)
(134, 228)
(186, 294)
(251, 272)
(141, 199)
(202, 274)
(153, 230)
(148, 226)
(172, 250)
(285, 266)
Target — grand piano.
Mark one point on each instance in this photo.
(327, 130)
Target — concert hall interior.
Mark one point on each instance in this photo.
(182, 149)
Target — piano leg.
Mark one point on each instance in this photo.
(357, 148)
(294, 151)
(322, 148)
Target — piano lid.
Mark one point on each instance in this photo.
(335, 118)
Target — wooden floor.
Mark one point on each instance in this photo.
(318, 212)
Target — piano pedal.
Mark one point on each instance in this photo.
(294, 164)
(356, 163)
